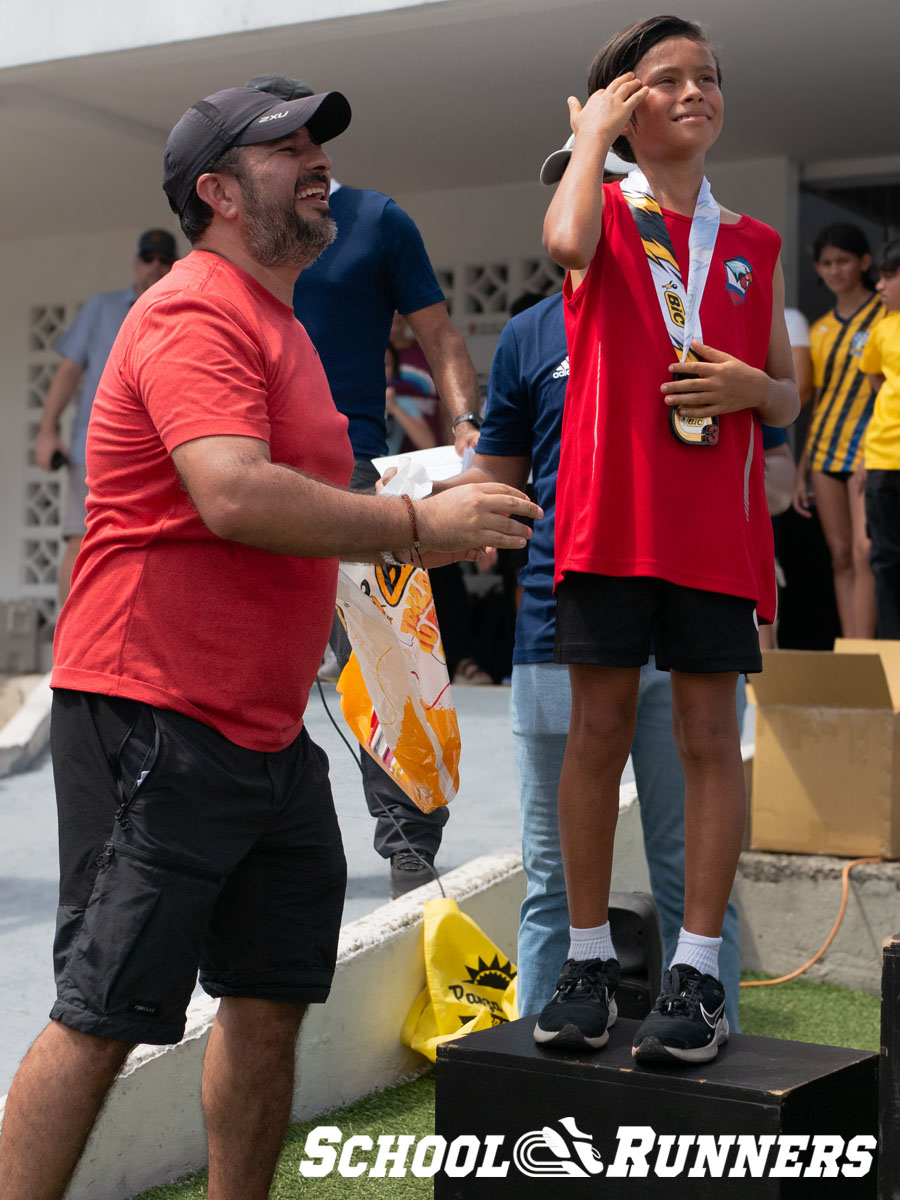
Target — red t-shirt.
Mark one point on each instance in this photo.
(631, 500)
(162, 610)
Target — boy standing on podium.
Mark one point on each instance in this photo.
(662, 532)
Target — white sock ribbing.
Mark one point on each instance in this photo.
(695, 950)
(590, 943)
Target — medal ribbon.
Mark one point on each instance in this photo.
(680, 306)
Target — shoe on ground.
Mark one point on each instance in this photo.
(582, 1010)
(410, 870)
(687, 1023)
(469, 673)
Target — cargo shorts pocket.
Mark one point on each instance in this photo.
(128, 961)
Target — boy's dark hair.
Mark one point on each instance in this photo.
(889, 258)
(196, 214)
(841, 236)
(625, 49)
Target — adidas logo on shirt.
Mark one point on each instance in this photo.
(562, 371)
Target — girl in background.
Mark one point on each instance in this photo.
(842, 407)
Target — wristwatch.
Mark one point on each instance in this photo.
(472, 417)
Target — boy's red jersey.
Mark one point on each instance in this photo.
(631, 499)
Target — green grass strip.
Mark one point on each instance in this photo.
(800, 1011)
(803, 1011)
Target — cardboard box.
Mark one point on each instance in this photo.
(826, 773)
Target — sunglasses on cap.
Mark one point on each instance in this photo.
(149, 256)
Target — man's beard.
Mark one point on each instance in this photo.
(277, 236)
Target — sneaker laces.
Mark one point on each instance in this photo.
(683, 999)
(585, 977)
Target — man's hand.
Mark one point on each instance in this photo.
(46, 444)
(63, 385)
(724, 384)
(607, 112)
(465, 435)
(473, 516)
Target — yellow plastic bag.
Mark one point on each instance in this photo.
(469, 984)
(395, 690)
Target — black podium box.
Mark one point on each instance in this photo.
(767, 1118)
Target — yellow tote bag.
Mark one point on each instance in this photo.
(469, 985)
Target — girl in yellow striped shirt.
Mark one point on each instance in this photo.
(842, 407)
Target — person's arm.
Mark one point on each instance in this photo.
(242, 496)
(451, 367)
(800, 499)
(875, 382)
(63, 386)
(803, 373)
(413, 424)
(781, 479)
(574, 220)
(725, 384)
(512, 470)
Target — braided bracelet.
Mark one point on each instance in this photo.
(410, 508)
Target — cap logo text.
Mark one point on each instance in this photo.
(273, 116)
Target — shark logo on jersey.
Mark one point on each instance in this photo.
(562, 371)
(738, 277)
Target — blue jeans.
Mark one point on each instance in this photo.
(541, 705)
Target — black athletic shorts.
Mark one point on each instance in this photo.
(179, 849)
(611, 621)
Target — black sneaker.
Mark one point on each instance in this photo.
(582, 1009)
(409, 870)
(688, 1021)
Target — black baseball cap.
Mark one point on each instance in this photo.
(242, 117)
(157, 241)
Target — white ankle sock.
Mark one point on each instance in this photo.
(695, 950)
(590, 943)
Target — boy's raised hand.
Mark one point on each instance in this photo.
(607, 112)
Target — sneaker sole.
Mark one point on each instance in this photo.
(570, 1037)
(651, 1049)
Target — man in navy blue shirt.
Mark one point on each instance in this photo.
(346, 301)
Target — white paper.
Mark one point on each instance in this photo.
(438, 462)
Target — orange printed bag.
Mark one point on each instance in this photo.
(395, 690)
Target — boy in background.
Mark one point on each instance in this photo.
(881, 362)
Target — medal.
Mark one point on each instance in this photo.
(680, 306)
(693, 431)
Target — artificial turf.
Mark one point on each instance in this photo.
(800, 1011)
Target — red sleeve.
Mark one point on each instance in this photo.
(213, 381)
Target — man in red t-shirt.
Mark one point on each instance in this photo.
(196, 822)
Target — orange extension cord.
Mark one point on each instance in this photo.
(845, 892)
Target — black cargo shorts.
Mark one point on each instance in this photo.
(180, 850)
